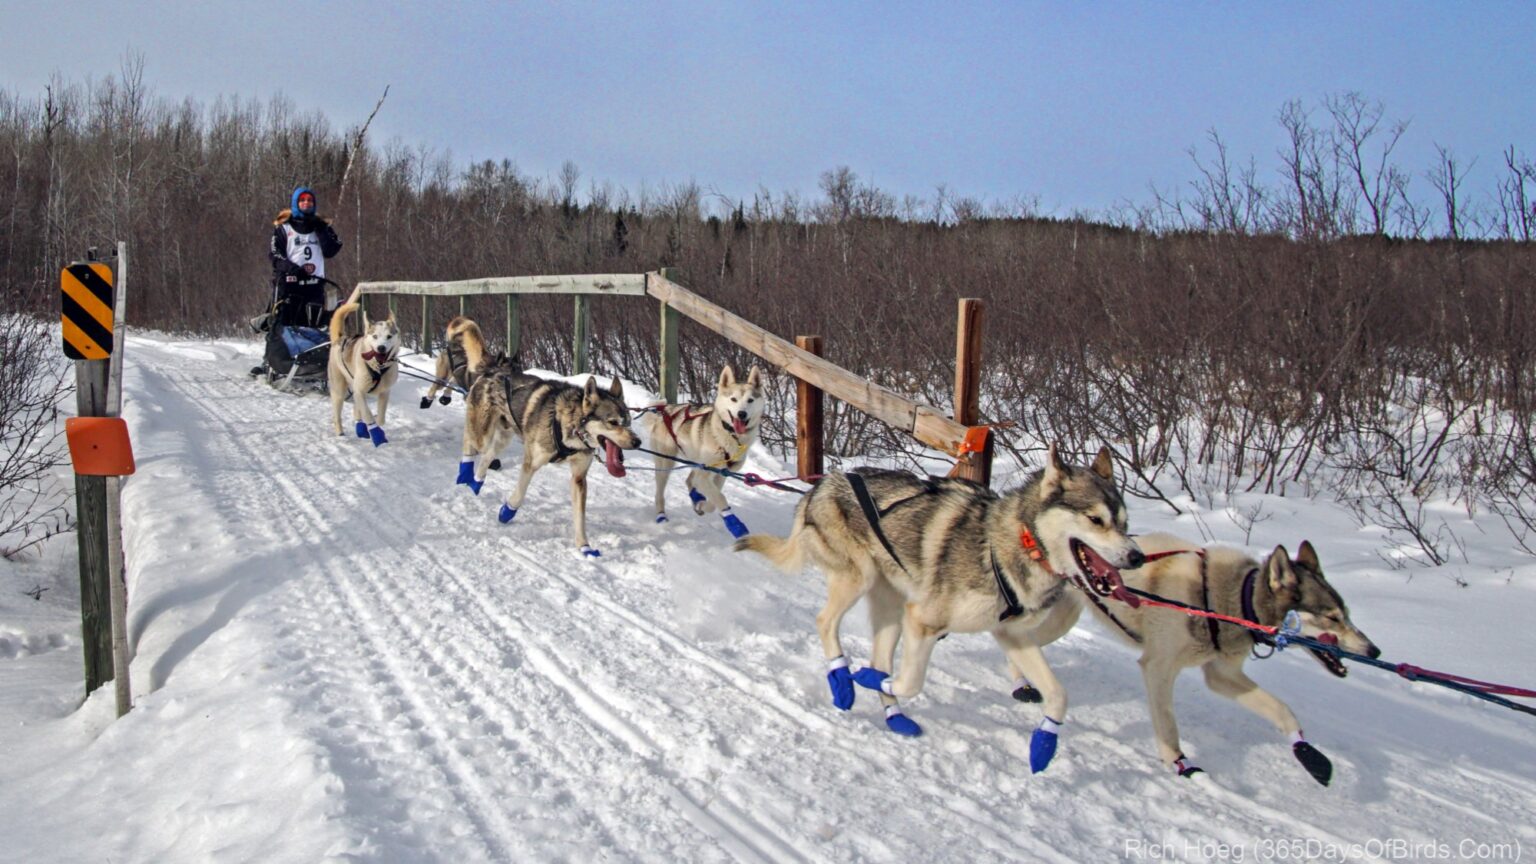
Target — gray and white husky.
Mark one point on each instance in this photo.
(361, 366)
(1229, 582)
(717, 435)
(557, 422)
(937, 556)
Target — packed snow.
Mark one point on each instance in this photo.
(340, 655)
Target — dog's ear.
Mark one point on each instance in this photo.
(617, 389)
(1104, 464)
(755, 377)
(590, 391)
(727, 376)
(391, 318)
(1055, 473)
(1282, 577)
(1306, 556)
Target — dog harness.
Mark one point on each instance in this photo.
(1011, 606)
(376, 362)
(685, 414)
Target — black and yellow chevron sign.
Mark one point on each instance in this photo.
(87, 299)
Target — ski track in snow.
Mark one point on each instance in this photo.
(481, 693)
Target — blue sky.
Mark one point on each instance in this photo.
(1083, 105)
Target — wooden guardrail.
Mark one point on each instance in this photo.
(923, 422)
(582, 286)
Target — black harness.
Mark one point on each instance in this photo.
(562, 451)
(872, 514)
(377, 374)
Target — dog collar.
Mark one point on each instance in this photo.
(1250, 582)
(1031, 546)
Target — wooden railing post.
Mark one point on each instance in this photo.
(809, 461)
(972, 466)
(671, 320)
(91, 536)
(514, 330)
(426, 327)
(583, 328)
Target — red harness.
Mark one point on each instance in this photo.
(683, 415)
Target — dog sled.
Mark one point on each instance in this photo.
(298, 348)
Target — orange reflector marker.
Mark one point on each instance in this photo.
(975, 439)
(99, 446)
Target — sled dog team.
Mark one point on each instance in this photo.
(929, 556)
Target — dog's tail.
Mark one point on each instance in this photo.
(467, 333)
(339, 322)
(786, 553)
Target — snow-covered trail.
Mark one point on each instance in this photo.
(342, 656)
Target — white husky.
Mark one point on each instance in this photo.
(717, 435)
(362, 365)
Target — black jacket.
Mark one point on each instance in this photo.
(282, 268)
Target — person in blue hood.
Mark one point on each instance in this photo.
(302, 241)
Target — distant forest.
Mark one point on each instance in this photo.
(1262, 323)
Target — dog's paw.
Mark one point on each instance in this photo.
(1186, 768)
(475, 485)
(900, 723)
(661, 518)
(873, 679)
(466, 473)
(362, 429)
(506, 514)
(444, 399)
(698, 501)
(589, 552)
(1042, 745)
(495, 465)
(377, 434)
(841, 682)
(1025, 691)
(426, 402)
(1314, 761)
(734, 525)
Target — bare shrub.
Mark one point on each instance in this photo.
(32, 503)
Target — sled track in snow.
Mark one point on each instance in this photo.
(388, 628)
(484, 695)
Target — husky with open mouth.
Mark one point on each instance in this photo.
(1228, 582)
(717, 435)
(936, 556)
(557, 422)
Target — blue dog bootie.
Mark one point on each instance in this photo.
(506, 514)
(362, 429)
(733, 524)
(589, 552)
(697, 498)
(900, 723)
(466, 472)
(871, 678)
(377, 434)
(841, 682)
(1042, 745)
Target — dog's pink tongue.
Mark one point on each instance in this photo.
(613, 458)
(1108, 577)
(739, 425)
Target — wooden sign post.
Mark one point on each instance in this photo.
(92, 325)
